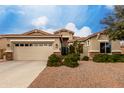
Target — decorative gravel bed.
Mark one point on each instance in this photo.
(87, 75)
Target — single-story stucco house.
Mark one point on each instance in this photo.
(39, 45)
(99, 43)
(33, 45)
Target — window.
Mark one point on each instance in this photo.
(21, 44)
(26, 44)
(105, 47)
(17, 45)
(30, 44)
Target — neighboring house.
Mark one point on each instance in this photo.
(98, 43)
(32, 45)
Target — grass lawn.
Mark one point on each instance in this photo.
(88, 74)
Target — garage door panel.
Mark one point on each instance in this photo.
(32, 52)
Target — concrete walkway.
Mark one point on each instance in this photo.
(19, 74)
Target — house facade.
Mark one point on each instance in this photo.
(32, 45)
(39, 45)
(99, 43)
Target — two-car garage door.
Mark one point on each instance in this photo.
(32, 51)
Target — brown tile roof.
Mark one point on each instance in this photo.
(76, 38)
(92, 35)
(39, 32)
(82, 38)
(34, 32)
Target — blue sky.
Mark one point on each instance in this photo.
(83, 19)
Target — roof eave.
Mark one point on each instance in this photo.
(29, 36)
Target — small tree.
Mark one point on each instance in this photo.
(76, 48)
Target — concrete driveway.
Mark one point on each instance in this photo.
(19, 74)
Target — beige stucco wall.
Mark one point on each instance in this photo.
(94, 44)
(85, 50)
(3, 43)
(57, 41)
(3, 46)
(116, 46)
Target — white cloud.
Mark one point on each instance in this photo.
(71, 26)
(83, 32)
(40, 21)
(110, 7)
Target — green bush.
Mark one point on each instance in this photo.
(85, 58)
(54, 60)
(108, 58)
(75, 57)
(118, 57)
(71, 60)
(100, 58)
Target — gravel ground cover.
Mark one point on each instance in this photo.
(87, 75)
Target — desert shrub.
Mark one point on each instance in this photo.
(75, 57)
(85, 58)
(122, 59)
(100, 58)
(71, 60)
(108, 58)
(54, 60)
(118, 57)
